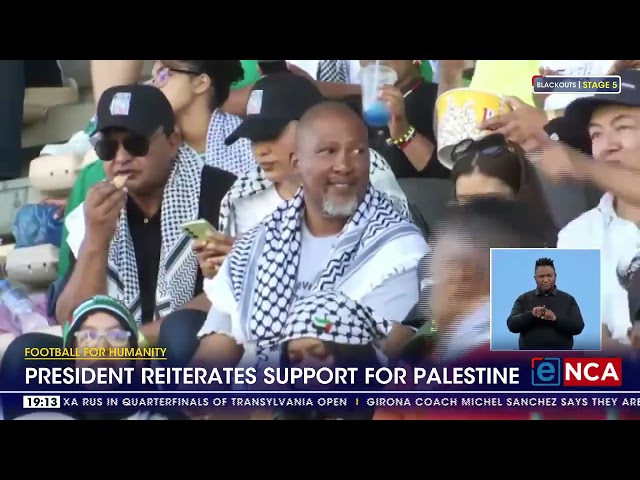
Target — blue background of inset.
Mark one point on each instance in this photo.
(512, 273)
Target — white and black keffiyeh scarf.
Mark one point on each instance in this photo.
(254, 181)
(237, 158)
(178, 267)
(331, 316)
(334, 71)
(263, 265)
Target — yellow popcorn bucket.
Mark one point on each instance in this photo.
(458, 114)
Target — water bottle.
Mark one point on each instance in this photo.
(22, 310)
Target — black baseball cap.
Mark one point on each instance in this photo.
(579, 111)
(275, 101)
(140, 109)
(570, 131)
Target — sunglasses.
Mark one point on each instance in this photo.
(113, 337)
(489, 146)
(107, 147)
(161, 77)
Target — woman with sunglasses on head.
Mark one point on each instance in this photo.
(493, 167)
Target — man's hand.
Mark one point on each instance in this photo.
(620, 65)
(212, 252)
(549, 315)
(538, 312)
(524, 125)
(102, 211)
(60, 203)
(556, 161)
(398, 125)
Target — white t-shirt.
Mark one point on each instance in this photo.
(314, 255)
(615, 237)
(250, 211)
(573, 68)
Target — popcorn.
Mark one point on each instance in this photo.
(458, 113)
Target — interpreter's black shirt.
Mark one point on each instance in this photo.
(540, 334)
(147, 237)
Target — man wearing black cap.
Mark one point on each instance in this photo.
(131, 246)
(613, 123)
(275, 105)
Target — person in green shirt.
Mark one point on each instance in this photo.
(251, 74)
(88, 176)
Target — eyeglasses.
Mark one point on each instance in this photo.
(489, 146)
(161, 77)
(107, 147)
(113, 337)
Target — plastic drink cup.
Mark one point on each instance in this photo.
(372, 78)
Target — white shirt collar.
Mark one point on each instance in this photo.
(606, 207)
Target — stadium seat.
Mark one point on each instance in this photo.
(54, 173)
(33, 114)
(37, 101)
(35, 267)
(52, 96)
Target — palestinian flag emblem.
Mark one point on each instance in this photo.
(323, 324)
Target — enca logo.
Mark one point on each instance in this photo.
(576, 372)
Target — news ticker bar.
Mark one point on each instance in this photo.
(580, 84)
(133, 401)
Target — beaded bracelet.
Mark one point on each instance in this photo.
(404, 145)
(404, 139)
